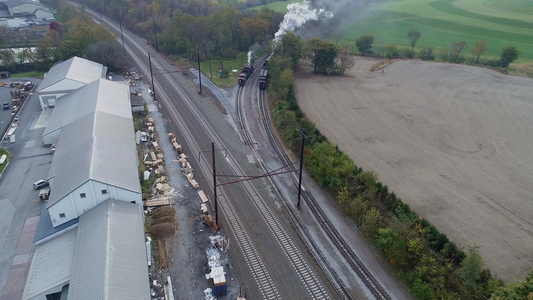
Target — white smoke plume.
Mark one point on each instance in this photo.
(297, 15)
(250, 53)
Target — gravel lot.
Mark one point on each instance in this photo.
(454, 142)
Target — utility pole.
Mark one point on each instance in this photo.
(244, 177)
(301, 168)
(214, 182)
(199, 73)
(155, 34)
(151, 74)
(100, 10)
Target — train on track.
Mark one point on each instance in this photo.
(263, 80)
(246, 72)
(263, 77)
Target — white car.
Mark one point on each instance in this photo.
(40, 184)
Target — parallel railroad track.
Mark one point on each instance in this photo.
(312, 284)
(261, 275)
(257, 267)
(344, 249)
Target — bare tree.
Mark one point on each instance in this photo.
(479, 49)
(457, 47)
(7, 56)
(413, 36)
(107, 53)
(345, 59)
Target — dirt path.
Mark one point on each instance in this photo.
(454, 142)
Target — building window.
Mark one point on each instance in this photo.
(82, 195)
(62, 215)
(104, 192)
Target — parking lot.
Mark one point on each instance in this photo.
(20, 203)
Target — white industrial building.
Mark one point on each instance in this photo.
(90, 240)
(66, 77)
(43, 14)
(104, 257)
(96, 156)
(21, 7)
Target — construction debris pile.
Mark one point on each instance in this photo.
(132, 77)
(215, 264)
(22, 92)
(206, 217)
(161, 192)
(182, 158)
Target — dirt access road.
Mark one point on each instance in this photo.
(454, 142)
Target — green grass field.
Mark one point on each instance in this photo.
(231, 78)
(500, 22)
(28, 75)
(3, 166)
(280, 6)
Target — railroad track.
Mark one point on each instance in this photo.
(261, 275)
(256, 265)
(349, 255)
(241, 118)
(320, 258)
(312, 284)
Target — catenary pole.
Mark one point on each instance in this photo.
(301, 167)
(151, 74)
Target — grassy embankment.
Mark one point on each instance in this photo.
(28, 75)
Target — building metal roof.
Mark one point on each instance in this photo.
(13, 3)
(136, 100)
(76, 69)
(100, 95)
(45, 229)
(110, 256)
(51, 264)
(98, 141)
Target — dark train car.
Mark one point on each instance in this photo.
(263, 79)
(248, 70)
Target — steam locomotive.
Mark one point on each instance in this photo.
(246, 72)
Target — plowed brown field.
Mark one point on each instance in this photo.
(454, 142)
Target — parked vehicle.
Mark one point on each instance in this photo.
(144, 137)
(40, 184)
(28, 86)
(44, 194)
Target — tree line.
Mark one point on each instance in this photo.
(214, 29)
(455, 54)
(76, 35)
